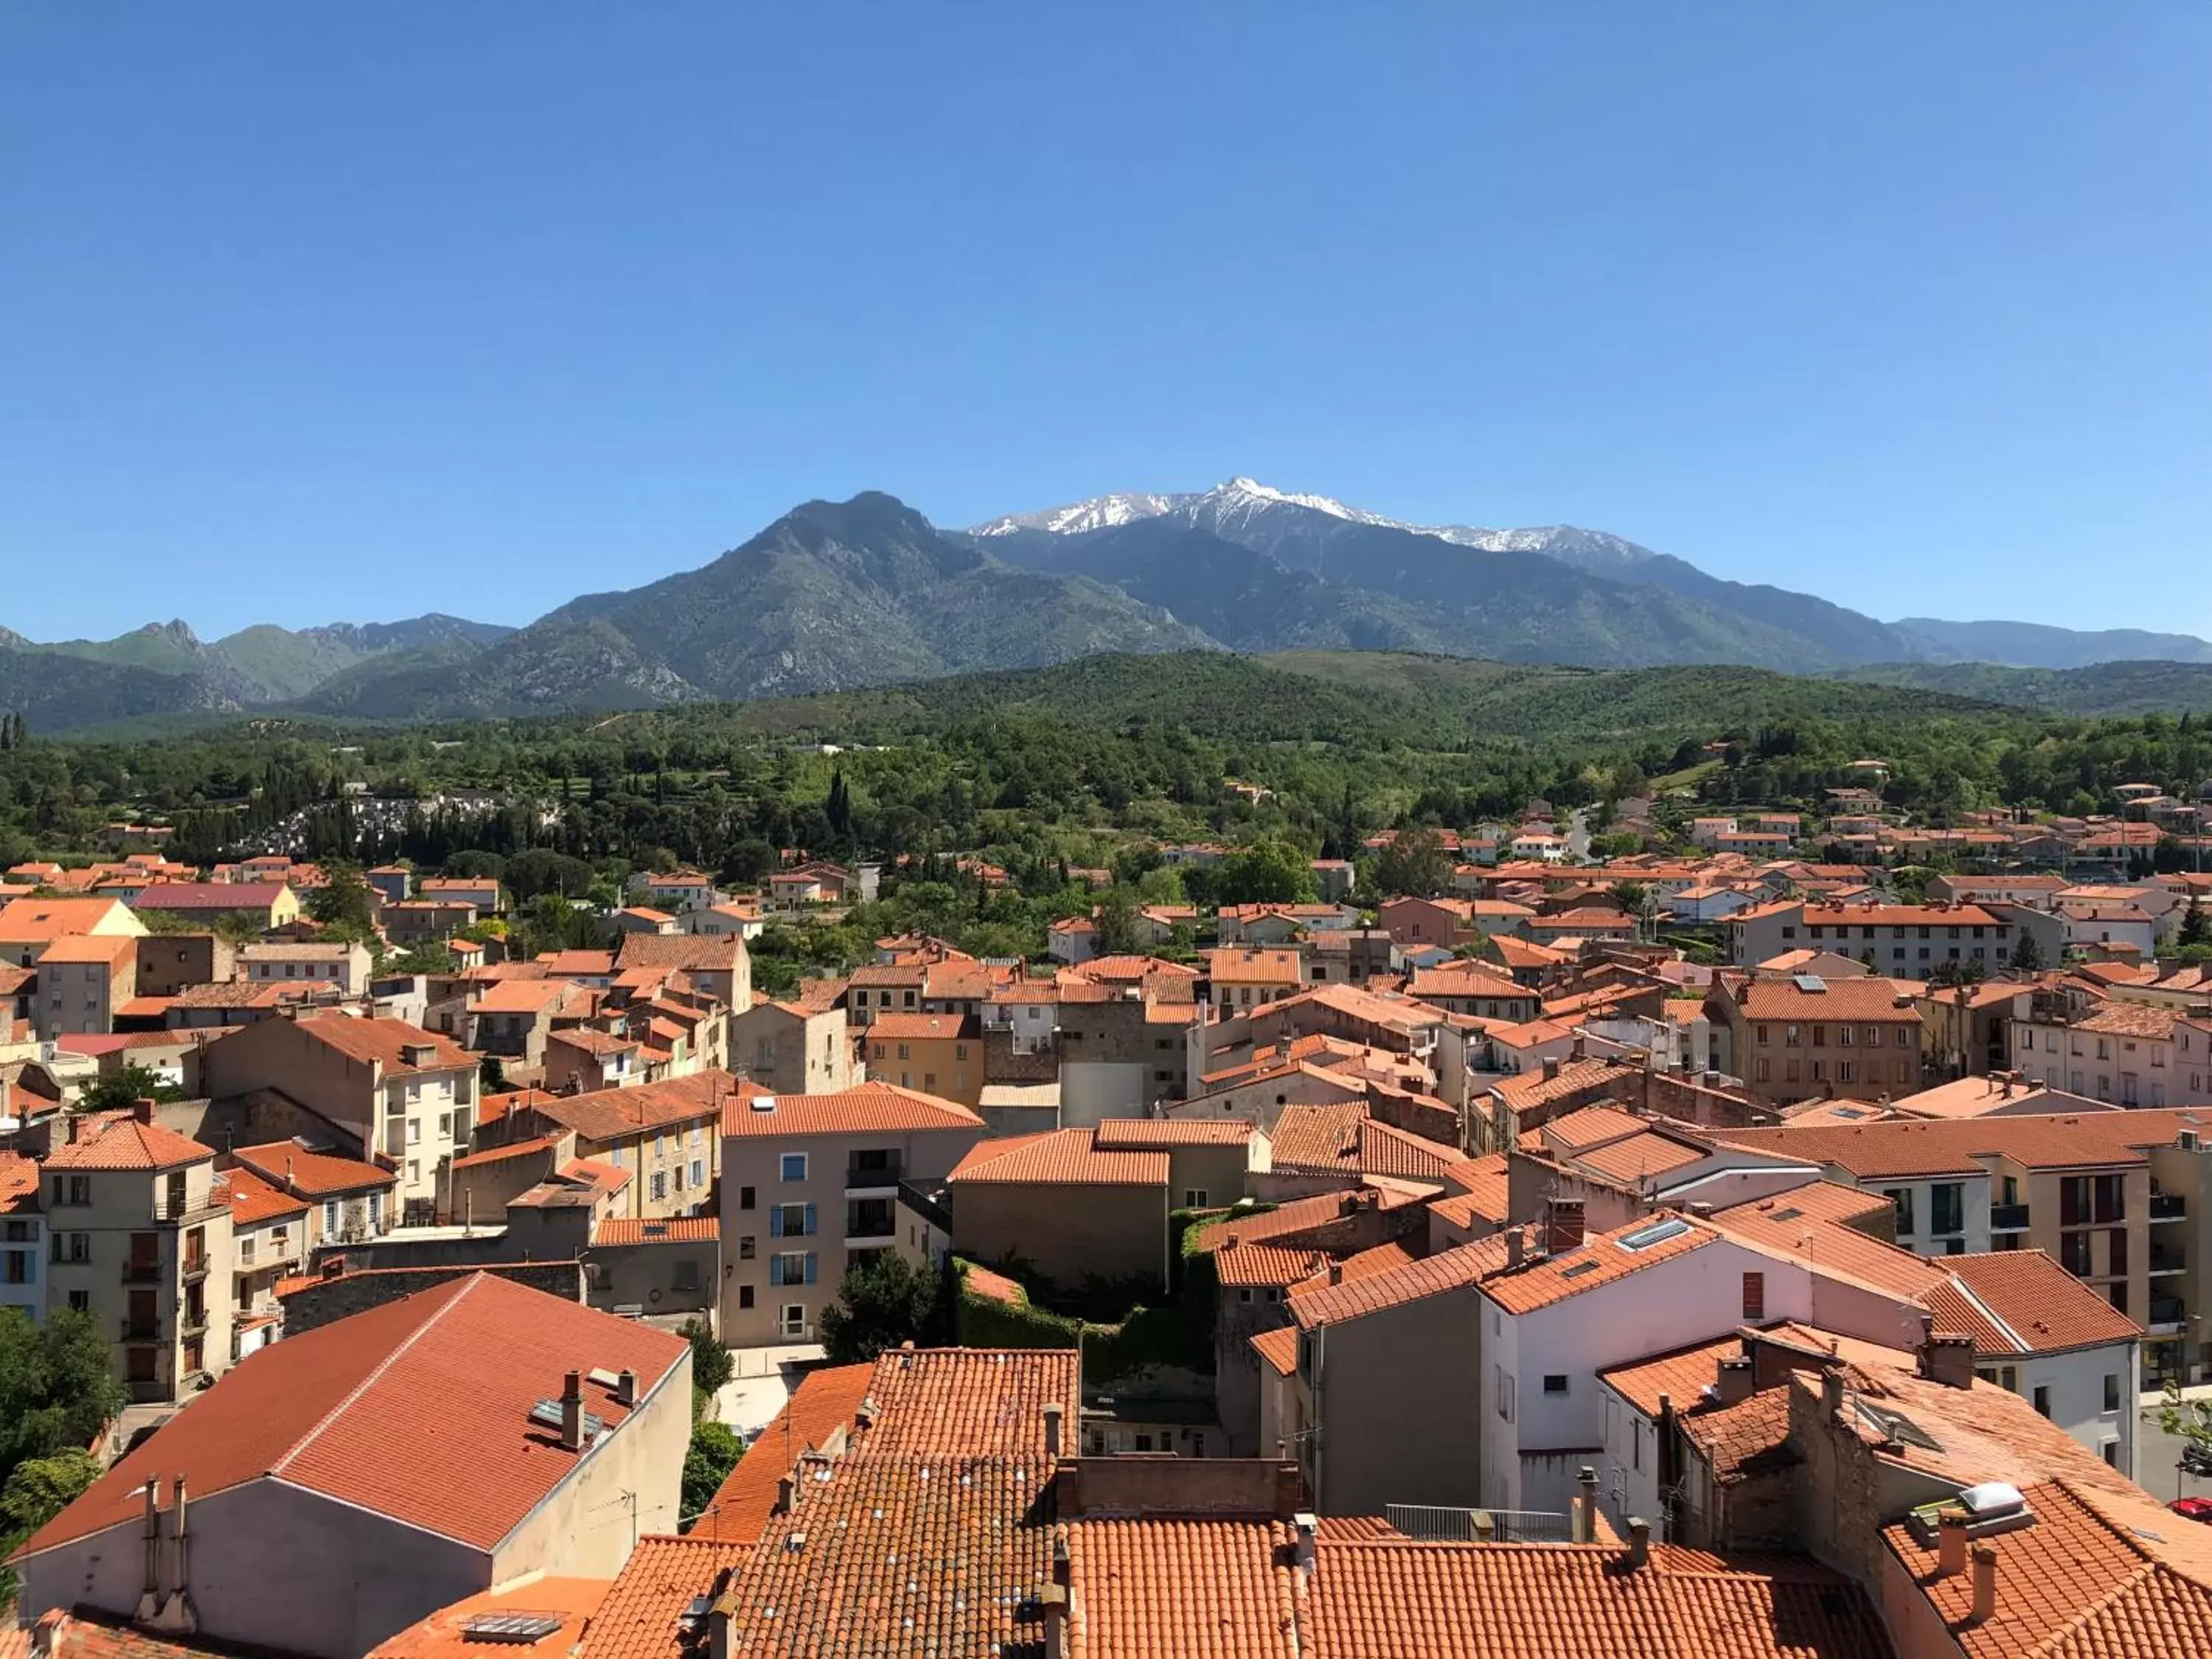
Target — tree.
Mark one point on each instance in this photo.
(117, 1092)
(2028, 955)
(57, 1386)
(713, 1452)
(882, 1301)
(711, 1365)
(1413, 864)
(1270, 873)
(1116, 921)
(343, 904)
(38, 1490)
(2196, 926)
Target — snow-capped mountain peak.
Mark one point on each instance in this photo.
(1102, 513)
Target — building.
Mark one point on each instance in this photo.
(400, 1092)
(1808, 1038)
(266, 904)
(940, 1055)
(22, 1236)
(812, 1182)
(322, 1477)
(142, 1241)
(665, 1135)
(482, 891)
(1068, 1205)
(269, 1244)
(581, 1061)
(2125, 1053)
(343, 963)
(1913, 941)
(1244, 977)
(791, 1048)
(28, 926)
(720, 967)
(83, 979)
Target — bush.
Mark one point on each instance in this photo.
(711, 1365)
(713, 1452)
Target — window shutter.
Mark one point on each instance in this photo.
(810, 1221)
(776, 1270)
(810, 1266)
(775, 1221)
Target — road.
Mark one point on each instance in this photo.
(2158, 1457)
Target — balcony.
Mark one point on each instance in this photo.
(142, 1273)
(2164, 1263)
(2168, 1206)
(2169, 1316)
(196, 1268)
(140, 1330)
(876, 1178)
(194, 1323)
(2008, 1218)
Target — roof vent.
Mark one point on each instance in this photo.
(764, 1102)
(1657, 1233)
(795, 1542)
(519, 1629)
(1811, 983)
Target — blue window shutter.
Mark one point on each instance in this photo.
(810, 1221)
(810, 1266)
(776, 1270)
(775, 1221)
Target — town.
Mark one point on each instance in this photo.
(1632, 1227)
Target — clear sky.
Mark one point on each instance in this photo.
(318, 311)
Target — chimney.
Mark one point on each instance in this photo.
(1052, 1412)
(1563, 1224)
(1063, 1563)
(1985, 1559)
(1585, 1517)
(1831, 1393)
(1305, 1525)
(1551, 1067)
(626, 1388)
(783, 1492)
(1950, 1543)
(150, 1593)
(1054, 1600)
(1517, 1246)
(1701, 1209)
(1336, 1273)
(1639, 1544)
(1486, 1527)
(142, 1109)
(572, 1411)
(1737, 1381)
(1948, 1360)
(865, 1416)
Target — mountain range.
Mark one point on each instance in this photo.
(867, 592)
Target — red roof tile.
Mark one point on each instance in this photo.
(2021, 1301)
(378, 1410)
(1217, 1588)
(1152, 1133)
(444, 1635)
(1449, 1270)
(318, 1175)
(818, 1414)
(385, 1041)
(662, 1577)
(1058, 1157)
(117, 1140)
(865, 1107)
(253, 1201)
(668, 1230)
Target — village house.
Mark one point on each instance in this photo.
(265, 904)
(1807, 1038)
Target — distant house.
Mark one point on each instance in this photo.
(267, 904)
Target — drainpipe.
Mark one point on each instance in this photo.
(149, 1591)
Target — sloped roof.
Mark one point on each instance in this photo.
(864, 1108)
(253, 1201)
(377, 1411)
(443, 1634)
(1057, 1157)
(662, 1577)
(318, 1174)
(117, 1140)
(385, 1041)
(1151, 1133)
(1448, 1270)
(2022, 1301)
(824, 1404)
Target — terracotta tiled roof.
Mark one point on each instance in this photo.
(1386, 1150)
(1912, 1147)
(2099, 1576)
(1634, 1156)
(661, 1579)
(94, 948)
(1241, 964)
(1389, 1599)
(819, 1412)
(535, 1145)
(1830, 1200)
(584, 1040)
(611, 1114)
(1287, 1222)
(1449, 1270)
(117, 1140)
(317, 1174)
(901, 1027)
(1058, 1157)
(2133, 1019)
(19, 1182)
(442, 1635)
(1862, 998)
(1586, 1127)
(210, 895)
(2022, 1302)
(1601, 1259)
(385, 1042)
(970, 1401)
(698, 952)
(377, 1411)
(90, 1633)
(1194, 1590)
(36, 920)
(1785, 1228)
(864, 1109)
(670, 1230)
(1280, 1348)
(253, 1201)
(1482, 1194)
(1460, 980)
(1576, 1078)
(1319, 1137)
(1252, 1266)
(1152, 1133)
(982, 1281)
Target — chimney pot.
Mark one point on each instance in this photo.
(626, 1388)
(572, 1411)
(1336, 1273)
(1832, 1392)
(1551, 1067)
(1639, 1543)
(1053, 1413)
(1585, 1530)
(1950, 1543)
(1985, 1584)
(1517, 1246)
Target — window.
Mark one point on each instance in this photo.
(788, 1267)
(794, 1166)
(2043, 1400)
(1555, 1382)
(745, 1295)
(80, 1301)
(2110, 1451)
(698, 1172)
(744, 1198)
(1760, 1069)
(2073, 1254)
(2116, 1252)
(1900, 1199)
(1194, 1198)
(329, 1217)
(2112, 1198)
(1755, 1296)
(659, 1183)
(1636, 1442)
(1946, 1208)
(746, 1247)
(794, 1321)
(2111, 1391)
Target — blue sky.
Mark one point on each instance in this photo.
(312, 311)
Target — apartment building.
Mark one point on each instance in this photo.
(29, 926)
(269, 1243)
(1809, 1038)
(344, 963)
(667, 1136)
(2127, 1053)
(22, 1236)
(789, 1048)
(940, 1055)
(142, 1241)
(83, 978)
(348, 1201)
(812, 1182)
(1906, 941)
(401, 1093)
(170, 962)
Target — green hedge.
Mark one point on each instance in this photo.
(1143, 1337)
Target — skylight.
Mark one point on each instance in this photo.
(1657, 1233)
(518, 1628)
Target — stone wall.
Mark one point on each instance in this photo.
(329, 1299)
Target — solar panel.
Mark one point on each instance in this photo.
(1812, 982)
(520, 1628)
(1657, 1233)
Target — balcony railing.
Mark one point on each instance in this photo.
(2169, 1311)
(141, 1330)
(196, 1268)
(2008, 1218)
(1466, 1526)
(2167, 1261)
(886, 1226)
(141, 1272)
(2168, 1206)
(885, 1175)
